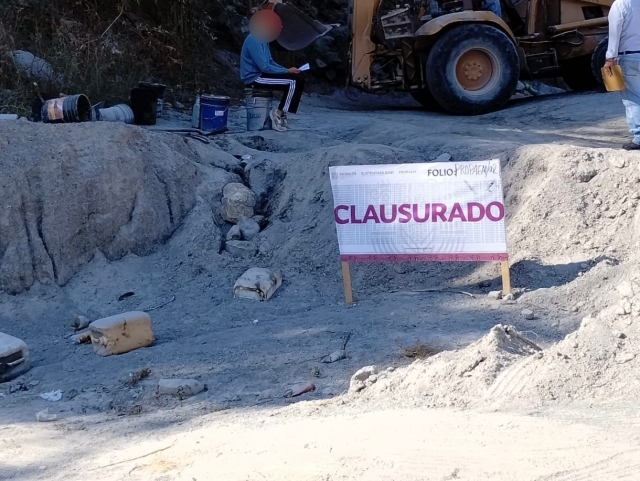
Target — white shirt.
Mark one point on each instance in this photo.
(624, 27)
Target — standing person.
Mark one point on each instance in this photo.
(624, 46)
(258, 70)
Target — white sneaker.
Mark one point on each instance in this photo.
(278, 122)
(285, 120)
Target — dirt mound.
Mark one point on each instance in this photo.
(599, 361)
(69, 191)
(454, 378)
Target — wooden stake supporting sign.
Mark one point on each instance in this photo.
(435, 212)
(346, 279)
(506, 278)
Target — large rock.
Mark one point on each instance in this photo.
(36, 68)
(237, 202)
(67, 191)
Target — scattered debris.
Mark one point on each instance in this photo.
(14, 357)
(44, 416)
(334, 357)
(299, 390)
(18, 387)
(82, 337)
(129, 410)
(240, 248)
(136, 377)
(121, 333)
(417, 351)
(258, 284)
(160, 306)
(527, 314)
(495, 295)
(72, 393)
(126, 295)
(315, 371)
(237, 202)
(79, 322)
(363, 378)
(183, 388)
(53, 396)
(438, 291)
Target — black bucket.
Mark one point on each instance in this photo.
(144, 105)
(74, 108)
(159, 89)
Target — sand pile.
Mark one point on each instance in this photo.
(69, 191)
(599, 361)
(452, 378)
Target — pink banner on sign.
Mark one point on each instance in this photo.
(466, 257)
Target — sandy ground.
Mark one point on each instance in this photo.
(241, 428)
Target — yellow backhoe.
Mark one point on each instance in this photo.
(454, 55)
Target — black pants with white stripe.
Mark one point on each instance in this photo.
(289, 83)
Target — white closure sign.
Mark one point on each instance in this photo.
(451, 211)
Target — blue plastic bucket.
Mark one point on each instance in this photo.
(214, 112)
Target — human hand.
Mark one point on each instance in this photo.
(608, 66)
(293, 70)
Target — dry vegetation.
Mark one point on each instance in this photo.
(103, 48)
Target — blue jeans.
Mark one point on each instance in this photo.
(493, 6)
(631, 95)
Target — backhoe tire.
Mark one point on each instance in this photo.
(473, 69)
(598, 58)
(578, 74)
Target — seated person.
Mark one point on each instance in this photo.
(258, 69)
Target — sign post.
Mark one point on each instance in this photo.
(448, 212)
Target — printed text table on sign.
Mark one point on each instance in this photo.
(450, 211)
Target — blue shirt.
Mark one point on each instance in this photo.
(255, 60)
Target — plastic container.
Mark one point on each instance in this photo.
(74, 108)
(121, 333)
(14, 357)
(117, 113)
(160, 90)
(214, 113)
(195, 115)
(144, 105)
(258, 109)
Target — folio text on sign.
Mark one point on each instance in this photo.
(450, 211)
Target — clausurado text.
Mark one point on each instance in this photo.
(419, 213)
